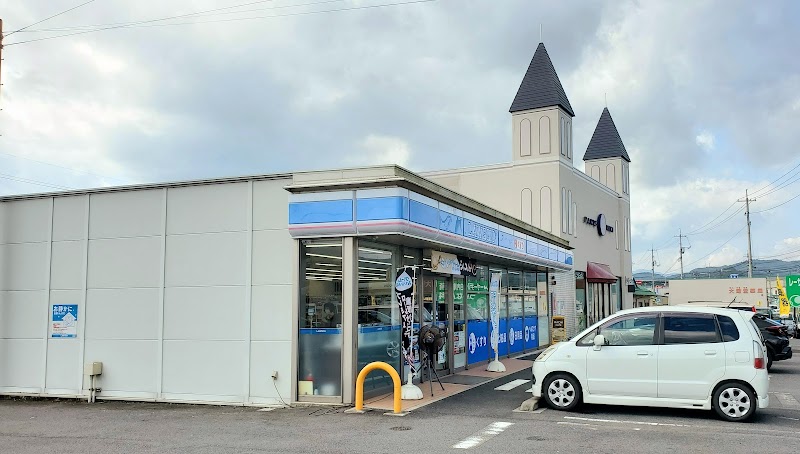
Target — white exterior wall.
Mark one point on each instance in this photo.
(184, 293)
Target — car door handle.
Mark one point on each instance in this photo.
(642, 354)
(711, 353)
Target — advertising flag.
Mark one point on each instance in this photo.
(404, 289)
(494, 314)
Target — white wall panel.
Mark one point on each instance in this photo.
(23, 266)
(122, 313)
(25, 221)
(213, 313)
(204, 367)
(69, 218)
(66, 269)
(126, 214)
(210, 208)
(22, 362)
(129, 262)
(266, 357)
(272, 313)
(206, 259)
(272, 256)
(23, 315)
(128, 365)
(64, 369)
(270, 204)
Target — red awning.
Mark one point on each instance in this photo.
(599, 272)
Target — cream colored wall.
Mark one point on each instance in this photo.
(536, 135)
(501, 187)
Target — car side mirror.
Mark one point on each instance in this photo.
(599, 341)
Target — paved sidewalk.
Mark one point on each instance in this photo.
(453, 384)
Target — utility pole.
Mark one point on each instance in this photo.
(681, 236)
(747, 201)
(653, 268)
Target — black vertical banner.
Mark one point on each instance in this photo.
(404, 289)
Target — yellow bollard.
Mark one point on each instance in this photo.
(363, 375)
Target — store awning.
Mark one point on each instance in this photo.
(599, 272)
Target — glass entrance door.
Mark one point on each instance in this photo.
(437, 302)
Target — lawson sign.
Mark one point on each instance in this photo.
(393, 211)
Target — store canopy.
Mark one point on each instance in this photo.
(641, 291)
(599, 272)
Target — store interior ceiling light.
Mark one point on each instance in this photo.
(408, 256)
(374, 262)
(324, 245)
(324, 270)
(337, 265)
(323, 256)
(374, 251)
(370, 268)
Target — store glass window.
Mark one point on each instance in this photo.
(378, 313)
(320, 322)
(543, 316)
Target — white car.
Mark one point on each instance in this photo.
(666, 356)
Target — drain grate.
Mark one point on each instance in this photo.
(401, 428)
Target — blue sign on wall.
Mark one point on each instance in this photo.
(64, 321)
(477, 341)
(531, 335)
(516, 336)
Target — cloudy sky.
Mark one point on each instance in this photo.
(705, 94)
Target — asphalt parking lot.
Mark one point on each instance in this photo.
(481, 419)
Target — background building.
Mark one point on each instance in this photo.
(542, 186)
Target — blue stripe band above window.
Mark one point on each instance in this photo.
(382, 208)
(317, 212)
(423, 214)
(480, 232)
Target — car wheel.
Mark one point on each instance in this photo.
(562, 392)
(734, 402)
(769, 359)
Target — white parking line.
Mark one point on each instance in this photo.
(787, 400)
(617, 421)
(489, 432)
(511, 385)
(588, 426)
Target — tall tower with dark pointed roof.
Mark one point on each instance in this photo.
(541, 115)
(606, 158)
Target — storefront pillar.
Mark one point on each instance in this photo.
(349, 318)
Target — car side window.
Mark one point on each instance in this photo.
(632, 330)
(690, 329)
(729, 331)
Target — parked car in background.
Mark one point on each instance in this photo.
(776, 338)
(663, 356)
(791, 325)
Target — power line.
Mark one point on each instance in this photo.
(303, 13)
(62, 167)
(54, 15)
(776, 180)
(720, 223)
(709, 222)
(776, 206)
(210, 12)
(718, 248)
(28, 181)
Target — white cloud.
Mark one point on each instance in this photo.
(705, 140)
(382, 150)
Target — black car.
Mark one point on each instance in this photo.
(776, 338)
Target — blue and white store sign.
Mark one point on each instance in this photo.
(388, 211)
(64, 321)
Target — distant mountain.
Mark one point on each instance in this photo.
(761, 268)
